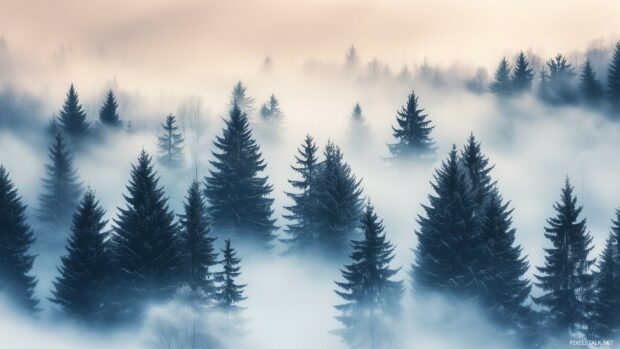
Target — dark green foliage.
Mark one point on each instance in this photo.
(72, 117)
(170, 144)
(522, 75)
(237, 196)
(412, 133)
(301, 226)
(229, 291)
(613, 78)
(145, 245)
(80, 290)
(61, 187)
(565, 278)
(502, 84)
(271, 110)
(16, 238)
(372, 297)
(448, 240)
(604, 321)
(239, 97)
(197, 245)
(335, 204)
(561, 86)
(478, 170)
(590, 88)
(108, 114)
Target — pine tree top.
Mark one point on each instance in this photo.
(522, 74)
(241, 99)
(230, 293)
(412, 132)
(501, 84)
(108, 113)
(72, 117)
(613, 76)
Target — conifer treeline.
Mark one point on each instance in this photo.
(465, 249)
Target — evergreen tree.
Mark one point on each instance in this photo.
(62, 189)
(335, 204)
(145, 246)
(108, 114)
(544, 92)
(590, 88)
(352, 60)
(229, 291)
(199, 256)
(522, 74)
(605, 318)
(561, 85)
(359, 134)
(271, 110)
(239, 97)
(80, 288)
(501, 84)
(16, 238)
(448, 238)
(613, 78)
(170, 144)
(237, 195)
(72, 117)
(478, 170)
(371, 296)
(413, 132)
(565, 278)
(301, 227)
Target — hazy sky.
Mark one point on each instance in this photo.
(173, 33)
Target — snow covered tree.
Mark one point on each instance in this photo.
(237, 196)
(502, 84)
(108, 114)
(448, 240)
(197, 245)
(613, 78)
(145, 246)
(229, 292)
(170, 144)
(240, 98)
(604, 322)
(412, 133)
(16, 238)
(565, 278)
(372, 296)
(561, 88)
(522, 75)
(72, 117)
(335, 204)
(591, 89)
(300, 228)
(270, 110)
(62, 188)
(80, 289)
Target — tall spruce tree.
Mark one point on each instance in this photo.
(478, 170)
(80, 289)
(237, 195)
(522, 75)
(448, 238)
(229, 291)
(16, 238)
(501, 84)
(108, 113)
(613, 78)
(145, 246)
(358, 129)
(170, 144)
(62, 188)
(590, 88)
(565, 278)
(72, 117)
(412, 133)
(335, 204)
(241, 99)
(372, 296)
(604, 322)
(197, 245)
(301, 223)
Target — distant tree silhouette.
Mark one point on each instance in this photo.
(108, 114)
(170, 144)
(72, 117)
(412, 132)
